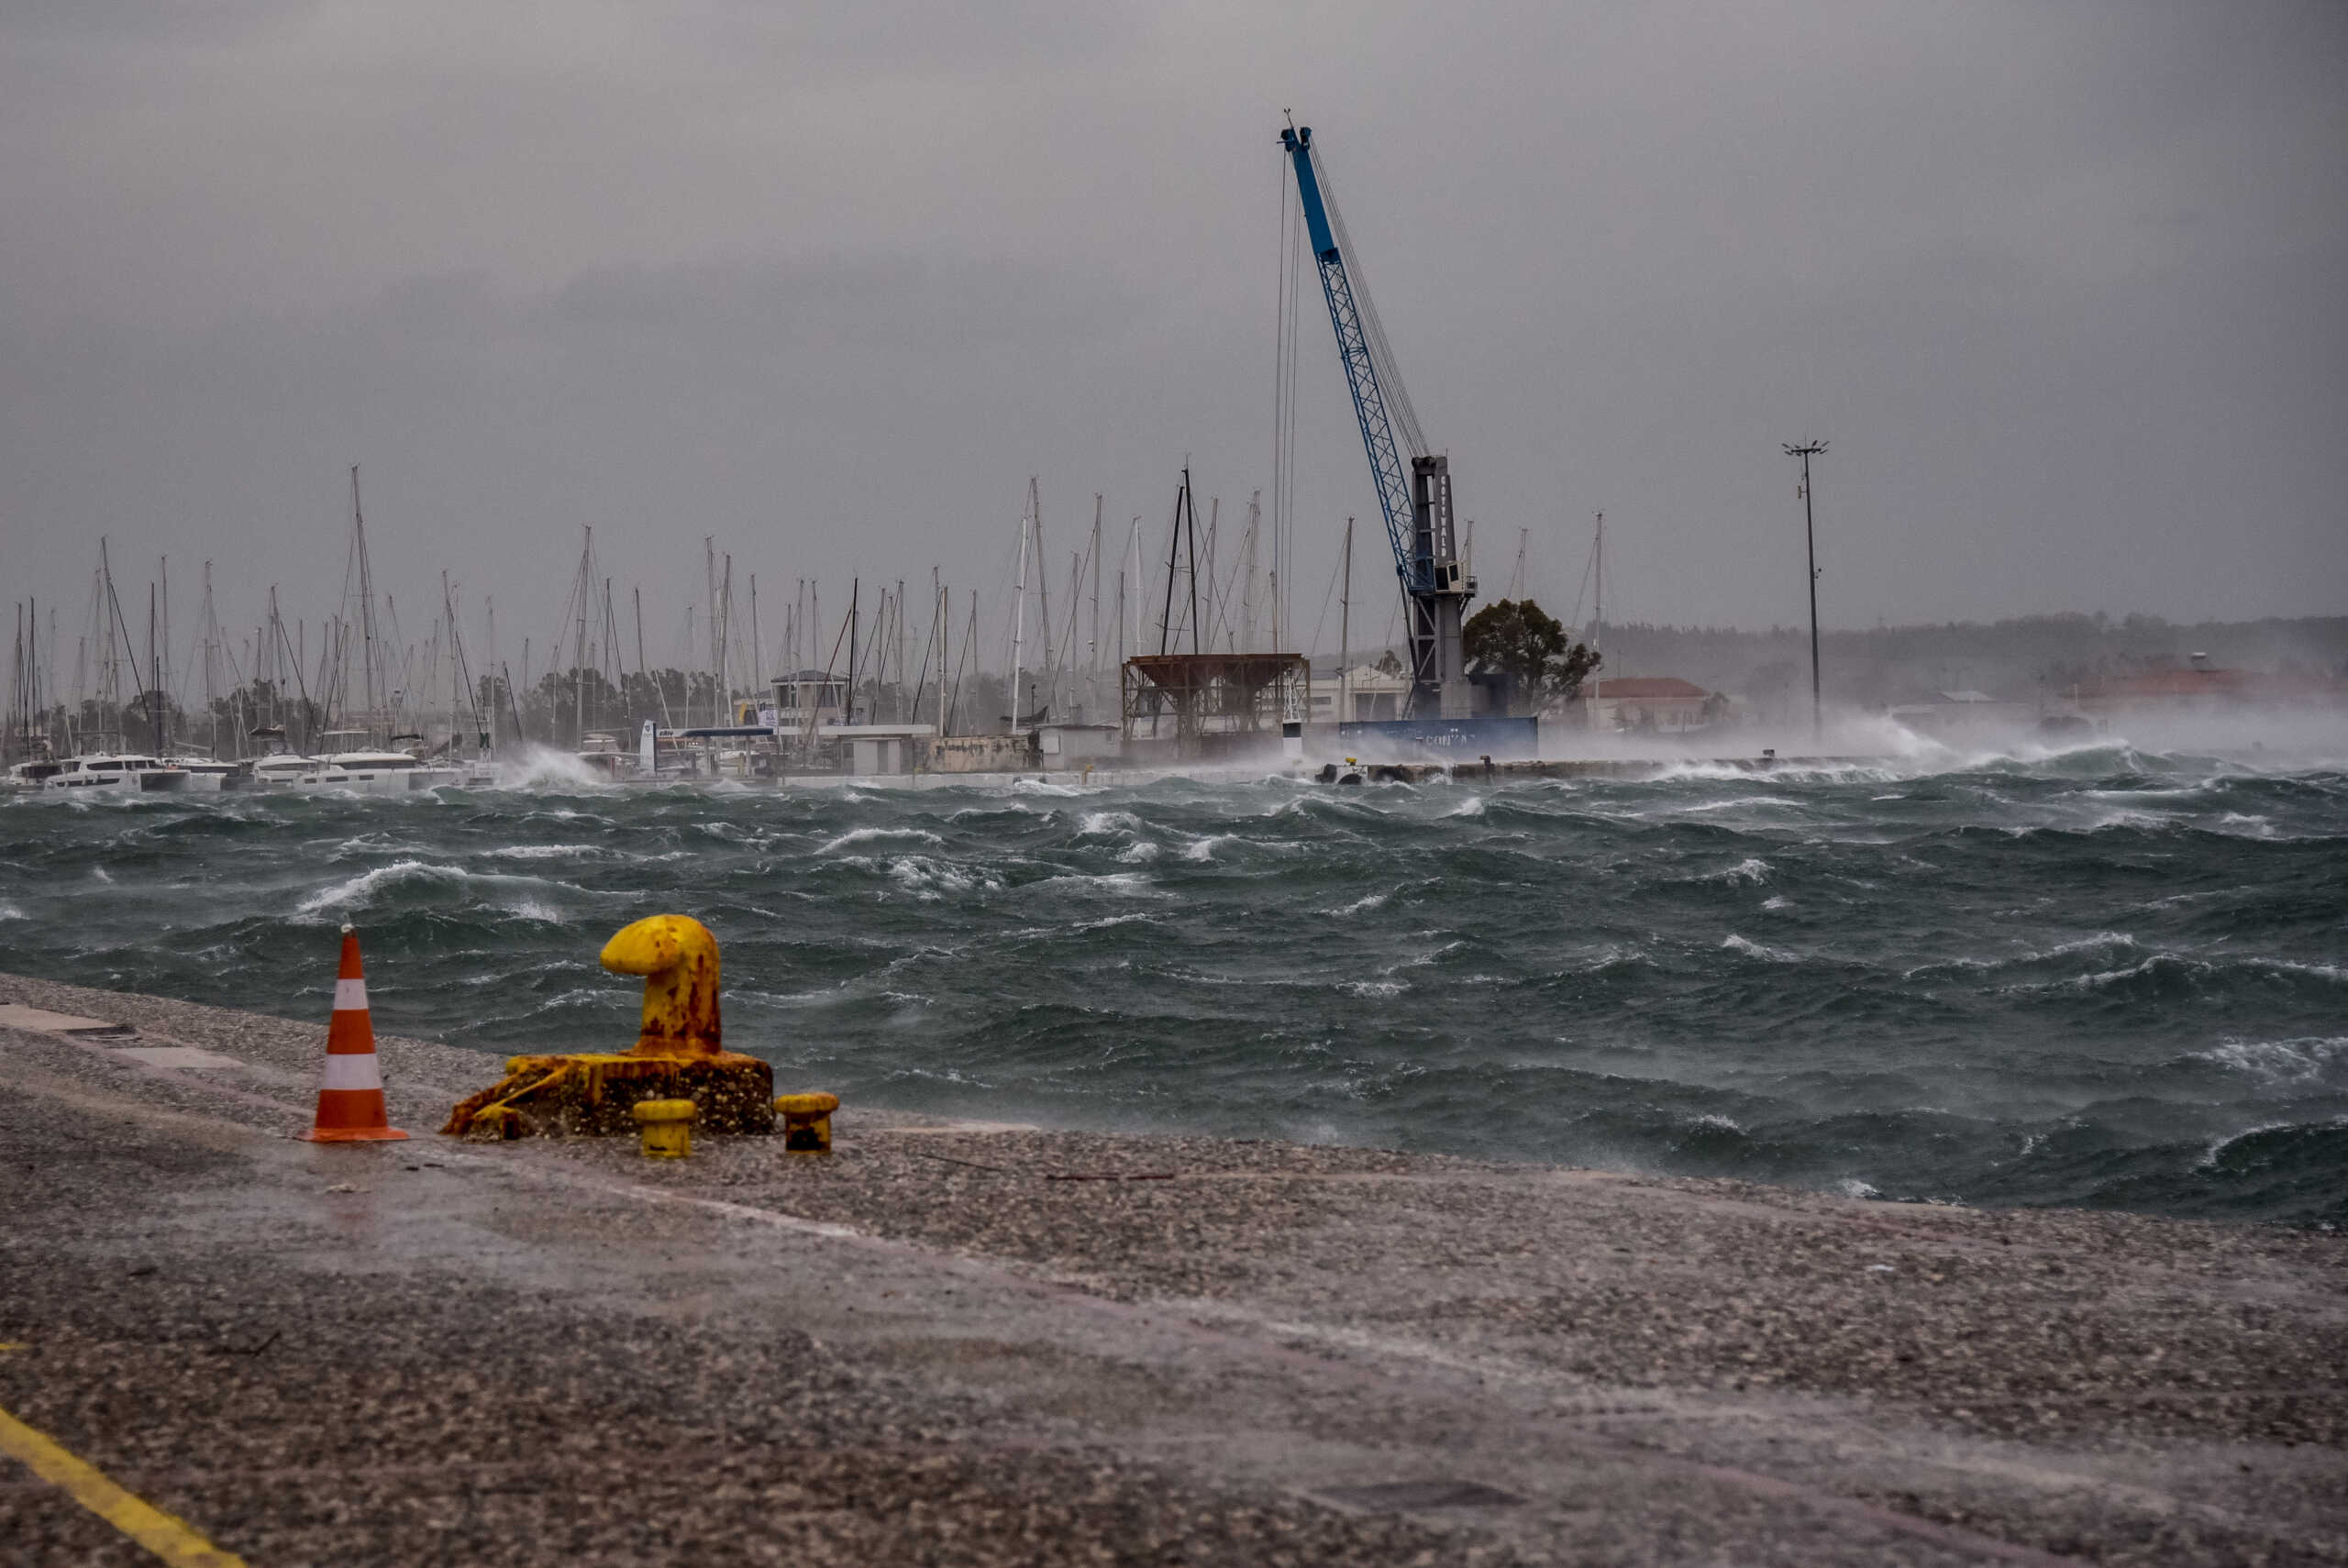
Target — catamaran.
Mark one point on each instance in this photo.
(127, 772)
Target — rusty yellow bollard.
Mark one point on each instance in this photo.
(807, 1123)
(678, 958)
(666, 1126)
(677, 1054)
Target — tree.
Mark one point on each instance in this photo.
(1520, 640)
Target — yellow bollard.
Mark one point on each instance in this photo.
(667, 1127)
(807, 1123)
(678, 958)
(677, 1054)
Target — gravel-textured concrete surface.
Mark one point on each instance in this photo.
(1005, 1346)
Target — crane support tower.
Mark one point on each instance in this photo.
(1413, 483)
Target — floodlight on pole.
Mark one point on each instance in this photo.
(1805, 451)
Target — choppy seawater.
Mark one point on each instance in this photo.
(2101, 977)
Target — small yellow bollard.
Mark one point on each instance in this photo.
(667, 1127)
(807, 1123)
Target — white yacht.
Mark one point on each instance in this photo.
(355, 768)
(126, 771)
(25, 777)
(209, 775)
(378, 773)
(280, 769)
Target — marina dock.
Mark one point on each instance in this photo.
(954, 1342)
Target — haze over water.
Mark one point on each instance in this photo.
(2100, 976)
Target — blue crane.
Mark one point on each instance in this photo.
(1413, 484)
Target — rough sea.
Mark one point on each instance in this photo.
(2101, 977)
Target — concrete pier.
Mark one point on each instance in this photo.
(950, 1343)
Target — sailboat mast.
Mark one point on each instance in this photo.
(1019, 613)
(709, 571)
(579, 643)
(154, 676)
(373, 693)
(855, 594)
(1248, 603)
(163, 637)
(209, 631)
(1043, 593)
(1598, 595)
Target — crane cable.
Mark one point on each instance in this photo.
(1381, 353)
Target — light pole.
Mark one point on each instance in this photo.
(1806, 452)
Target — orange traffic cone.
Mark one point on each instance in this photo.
(350, 1095)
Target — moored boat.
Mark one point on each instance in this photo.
(127, 772)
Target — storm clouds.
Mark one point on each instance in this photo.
(2061, 285)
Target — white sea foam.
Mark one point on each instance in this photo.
(931, 880)
(1041, 786)
(1106, 922)
(1093, 824)
(357, 891)
(874, 835)
(1733, 804)
(540, 852)
(1852, 1187)
(362, 887)
(1736, 943)
(2281, 1063)
(1362, 905)
(1204, 849)
(2102, 942)
(2202, 967)
(2218, 1146)
(1776, 902)
(1473, 806)
(2099, 943)
(10, 912)
(542, 768)
(1138, 853)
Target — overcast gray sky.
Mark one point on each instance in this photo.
(2062, 284)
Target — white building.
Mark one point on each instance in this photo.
(1368, 693)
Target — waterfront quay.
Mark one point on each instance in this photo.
(962, 1344)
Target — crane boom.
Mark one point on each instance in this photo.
(1413, 485)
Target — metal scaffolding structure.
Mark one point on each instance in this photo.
(1205, 703)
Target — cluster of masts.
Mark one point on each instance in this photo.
(899, 652)
(259, 695)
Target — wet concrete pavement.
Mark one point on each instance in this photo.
(948, 1345)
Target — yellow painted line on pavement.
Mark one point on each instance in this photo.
(168, 1538)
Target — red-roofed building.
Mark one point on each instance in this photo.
(2202, 687)
(1659, 703)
